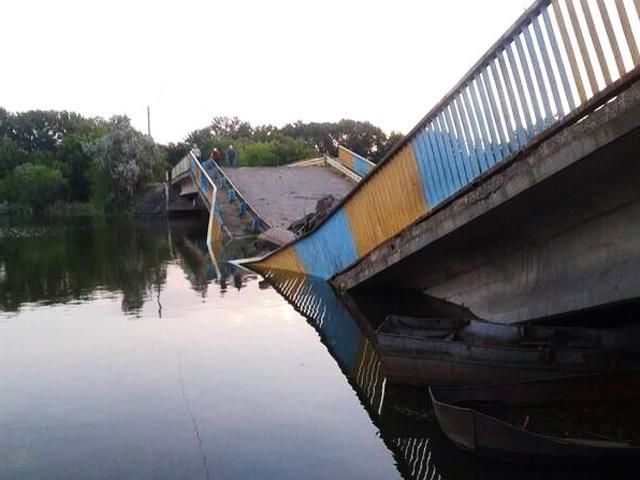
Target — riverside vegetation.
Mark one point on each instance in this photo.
(61, 163)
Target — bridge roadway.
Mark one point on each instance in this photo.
(282, 195)
(249, 199)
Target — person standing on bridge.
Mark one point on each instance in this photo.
(215, 155)
(231, 156)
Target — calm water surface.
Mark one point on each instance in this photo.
(128, 353)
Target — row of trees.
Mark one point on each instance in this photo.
(266, 145)
(62, 158)
(52, 156)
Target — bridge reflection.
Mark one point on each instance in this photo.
(403, 414)
(56, 263)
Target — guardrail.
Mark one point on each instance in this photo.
(559, 61)
(557, 57)
(355, 162)
(258, 222)
(207, 191)
(207, 182)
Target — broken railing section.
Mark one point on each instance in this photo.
(556, 64)
(208, 177)
(353, 166)
(207, 191)
(258, 223)
(354, 162)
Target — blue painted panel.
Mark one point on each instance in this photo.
(447, 153)
(466, 125)
(445, 180)
(429, 189)
(451, 182)
(203, 185)
(338, 329)
(457, 146)
(430, 166)
(329, 249)
(360, 165)
(478, 149)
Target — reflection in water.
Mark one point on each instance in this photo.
(403, 414)
(57, 263)
(227, 385)
(250, 377)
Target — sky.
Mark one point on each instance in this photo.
(274, 62)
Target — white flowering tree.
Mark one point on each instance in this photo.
(124, 160)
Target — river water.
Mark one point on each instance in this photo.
(127, 352)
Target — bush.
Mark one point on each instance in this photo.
(252, 153)
(33, 185)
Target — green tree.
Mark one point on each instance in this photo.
(77, 167)
(123, 161)
(363, 138)
(10, 156)
(393, 139)
(45, 130)
(33, 185)
(230, 127)
(174, 152)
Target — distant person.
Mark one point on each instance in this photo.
(214, 156)
(196, 151)
(231, 156)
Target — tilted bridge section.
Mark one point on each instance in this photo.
(516, 194)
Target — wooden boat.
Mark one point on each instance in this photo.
(475, 352)
(522, 422)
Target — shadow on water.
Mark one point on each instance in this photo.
(403, 414)
(50, 262)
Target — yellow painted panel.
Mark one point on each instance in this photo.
(215, 234)
(390, 200)
(285, 259)
(345, 157)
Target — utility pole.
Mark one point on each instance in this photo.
(148, 121)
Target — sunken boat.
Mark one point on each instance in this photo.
(447, 352)
(587, 418)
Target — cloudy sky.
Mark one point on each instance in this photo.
(265, 61)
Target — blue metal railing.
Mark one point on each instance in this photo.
(233, 194)
(207, 191)
(559, 56)
(207, 177)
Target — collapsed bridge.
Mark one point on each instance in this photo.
(517, 194)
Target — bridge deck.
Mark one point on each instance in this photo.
(282, 195)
